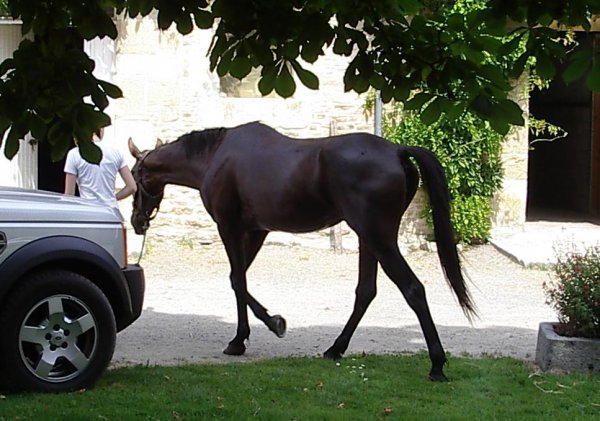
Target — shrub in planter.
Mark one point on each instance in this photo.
(575, 294)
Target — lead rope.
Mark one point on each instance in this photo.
(142, 249)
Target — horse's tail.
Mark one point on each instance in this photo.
(439, 198)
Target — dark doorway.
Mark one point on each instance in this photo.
(563, 184)
(51, 175)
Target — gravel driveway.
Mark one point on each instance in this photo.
(189, 313)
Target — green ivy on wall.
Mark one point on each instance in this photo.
(468, 148)
(470, 152)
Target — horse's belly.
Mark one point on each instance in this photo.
(303, 226)
(305, 217)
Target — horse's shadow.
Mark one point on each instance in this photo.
(170, 339)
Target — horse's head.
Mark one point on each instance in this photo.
(150, 188)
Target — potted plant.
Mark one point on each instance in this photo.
(573, 343)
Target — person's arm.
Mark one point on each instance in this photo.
(70, 181)
(130, 186)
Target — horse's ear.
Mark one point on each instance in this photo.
(137, 154)
(159, 143)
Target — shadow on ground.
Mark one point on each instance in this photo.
(166, 339)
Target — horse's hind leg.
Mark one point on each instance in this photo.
(365, 293)
(400, 273)
(253, 241)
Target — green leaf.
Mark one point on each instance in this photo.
(417, 102)
(544, 67)
(308, 78)
(494, 74)
(290, 49)
(133, 8)
(509, 47)
(111, 90)
(341, 47)
(184, 24)
(500, 126)
(146, 6)
(456, 22)
(575, 70)
(11, 148)
(166, 15)
(310, 52)
(4, 125)
(105, 26)
(519, 66)
(219, 46)
(7, 65)
(495, 25)
(350, 77)
(361, 85)
(401, 90)
(203, 19)
(240, 67)
(434, 110)
(61, 146)
(225, 62)
(16, 133)
(510, 111)
(37, 126)
(386, 96)
(410, 7)
(266, 84)
(593, 80)
(482, 106)
(99, 98)
(284, 84)
(456, 111)
(90, 151)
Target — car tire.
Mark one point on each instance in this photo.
(59, 333)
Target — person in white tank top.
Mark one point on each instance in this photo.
(97, 182)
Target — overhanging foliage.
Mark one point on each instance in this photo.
(395, 46)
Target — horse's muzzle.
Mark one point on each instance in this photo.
(140, 226)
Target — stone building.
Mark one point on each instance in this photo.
(168, 91)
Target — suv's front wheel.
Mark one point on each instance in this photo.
(59, 333)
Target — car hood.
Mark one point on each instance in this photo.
(23, 205)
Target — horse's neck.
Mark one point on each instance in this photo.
(180, 170)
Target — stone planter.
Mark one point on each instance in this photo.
(566, 354)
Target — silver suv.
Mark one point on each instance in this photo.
(66, 289)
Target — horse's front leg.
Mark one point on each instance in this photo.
(233, 242)
(253, 241)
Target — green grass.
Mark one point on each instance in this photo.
(356, 388)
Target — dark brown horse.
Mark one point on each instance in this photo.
(254, 180)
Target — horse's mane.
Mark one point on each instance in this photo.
(199, 142)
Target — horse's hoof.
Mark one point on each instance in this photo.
(332, 355)
(235, 349)
(278, 325)
(438, 377)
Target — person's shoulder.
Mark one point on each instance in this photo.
(110, 151)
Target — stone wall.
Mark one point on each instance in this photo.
(509, 204)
